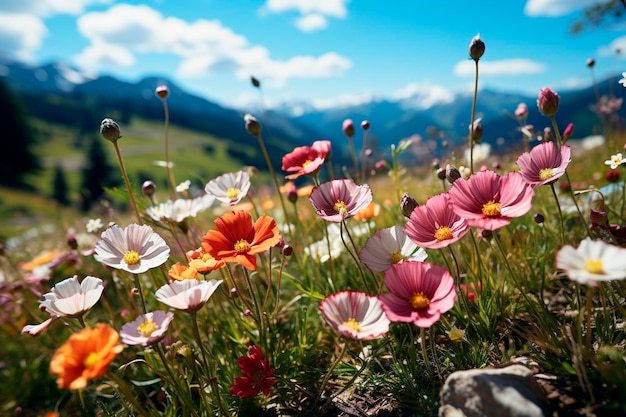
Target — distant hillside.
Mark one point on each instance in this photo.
(58, 94)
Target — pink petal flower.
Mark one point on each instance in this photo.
(336, 200)
(229, 188)
(489, 201)
(544, 164)
(419, 293)
(188, 295)
(355, 315)
(146, 329)
(436, 224)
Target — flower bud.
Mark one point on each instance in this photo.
(476, 48)
(548, 102)
(452, 173)
(441, 173)
(591, 62)
(477, 133)
(369, 152)
(407, 205)
(538, 218)
(252, 125)
(348, 128)
(567, 133)
(71, 241)
(521, 112)
(612, 175)
(162, 91)
(547, 134)
(148, 188)
(287, 250)
(365, 124)
(110, 130)
(256, 83)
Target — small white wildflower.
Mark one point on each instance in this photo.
(183, 187)
(94, 225)
(623, 80)
(615, 161)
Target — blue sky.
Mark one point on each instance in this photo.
(324, 52)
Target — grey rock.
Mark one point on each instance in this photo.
(501, 392)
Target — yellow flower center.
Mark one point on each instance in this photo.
(206, 257)
(419, 301)
(397, 257)
(232, 193)
(353, 324)
(594, 266)
(443, 233)
(491, 209)
(340, 207)
(305, 163)
(91, 360)
(546, 174)
(242, 246)
(146, 328)
(132, 257)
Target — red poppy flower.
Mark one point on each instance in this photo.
(236, 239)
(257, 377)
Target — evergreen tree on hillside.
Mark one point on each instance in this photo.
(59, 187)
(18, 140)
(97, 173)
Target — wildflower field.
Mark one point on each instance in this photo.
(328, 290)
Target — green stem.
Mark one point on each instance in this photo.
(471, 134)
(558, 206)
(125, 176)
(121, 386)
(168, 168)
(429, 368)
(330, 371)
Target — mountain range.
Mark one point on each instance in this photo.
(59, 93)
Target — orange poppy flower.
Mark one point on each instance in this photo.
(40, 260)
(85, 355)
(180, 272)
(236, 239)
(372, 210)
(202, 261)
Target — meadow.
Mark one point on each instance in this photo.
(358, 291)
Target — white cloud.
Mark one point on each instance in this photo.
(313, 13)
(21, 35)
(423, 95)
(555, 8)
(334, 8)
(22, 27)
(204, 47)
(618, 44)
(516, 66)
(344, 100)
(312, 22)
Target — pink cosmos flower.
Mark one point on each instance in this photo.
(146, 329)
(544, 164)
(387, 247)
(68, 298)
(489, 201)
(188, 295)
(355, 315)
(135, 249)
(258, 375)
(305, 160)
(419, 293)
(336, 200)
(435, 224)
(229, 188)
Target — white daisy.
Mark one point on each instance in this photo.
(593, 261)
(615, 161)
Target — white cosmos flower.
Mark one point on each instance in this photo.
(593, 261)
(135, 249)
(229, 188)
(355, 315)
(68, 298)
(188, 295)
(387, 247)
(180, 209)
